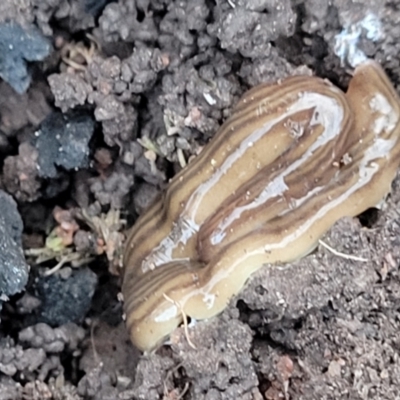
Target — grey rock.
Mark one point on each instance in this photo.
(63, 141)
(13, 267)
(65, 300)
(18, 45)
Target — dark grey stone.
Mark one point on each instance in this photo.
(18, 45)
(65, 300)
(13, 268)
(63, 140)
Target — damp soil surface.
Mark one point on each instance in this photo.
(101, 103)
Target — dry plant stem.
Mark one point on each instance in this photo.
(166, 393)
(340, 254)
(184, 318)
(93, 343)
(69, 258)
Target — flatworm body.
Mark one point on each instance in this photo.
(294, 157)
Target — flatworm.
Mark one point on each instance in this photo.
(294, 157)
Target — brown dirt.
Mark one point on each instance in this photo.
(324, 327)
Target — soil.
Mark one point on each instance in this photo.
(101, 103)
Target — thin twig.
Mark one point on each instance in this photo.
(185, 389)
(184, 317)
(67, 258)
(56, 267)
(343, 255)
(92, 342)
